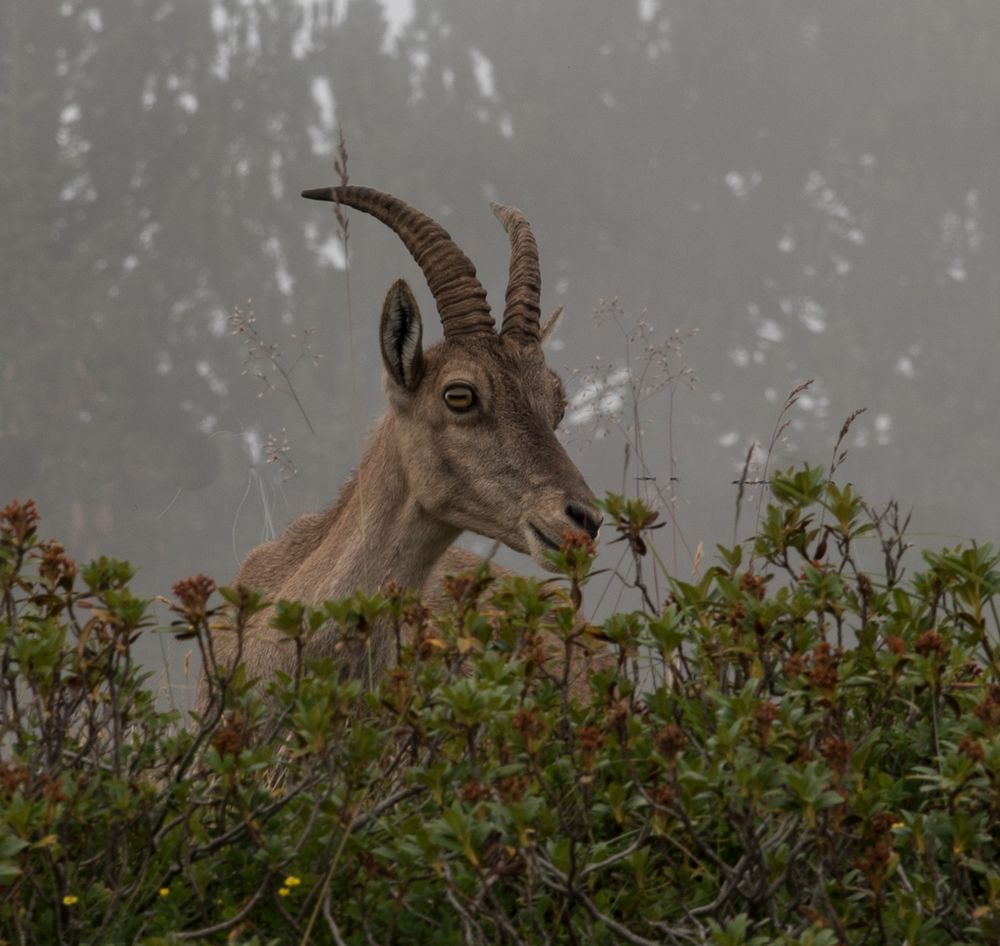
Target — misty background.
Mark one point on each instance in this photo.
(800, 189)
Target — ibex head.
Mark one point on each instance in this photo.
(474, 416)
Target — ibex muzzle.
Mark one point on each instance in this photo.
(468, 443)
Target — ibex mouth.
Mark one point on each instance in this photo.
(543, 538)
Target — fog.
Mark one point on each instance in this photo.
(730, 199)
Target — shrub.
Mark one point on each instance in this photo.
(794, 750)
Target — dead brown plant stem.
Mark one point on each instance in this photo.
(343, 232)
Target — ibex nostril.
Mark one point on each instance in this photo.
(585, 518)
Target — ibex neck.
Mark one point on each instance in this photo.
(379, 533)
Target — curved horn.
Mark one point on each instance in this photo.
(524, 285)
(451, 277)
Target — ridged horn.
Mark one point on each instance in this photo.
(451, 277)
(524, 284)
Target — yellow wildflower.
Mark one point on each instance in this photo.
(284, 892)
(164, 891)
(292, 881)
(69, 900)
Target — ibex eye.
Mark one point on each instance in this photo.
(460, 397)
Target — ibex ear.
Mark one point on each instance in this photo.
(400, 334)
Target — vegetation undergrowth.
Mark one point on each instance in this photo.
(793, 750)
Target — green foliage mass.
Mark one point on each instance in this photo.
(795, 749)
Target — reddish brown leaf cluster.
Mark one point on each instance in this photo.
(589, 739)
(52, 790)
(193, 594)
(895, 644)
(533, 650)
(473, 792)
(457, 586)
(837, 753)
(467, 587)
(803, 753)
(416, 614)
(670, 741)
(530, 727)
(866, 588)
(574, 540)
(795, 665)
(232, 737)
(617, 716)
(988, 712)
(764, 715)
(512, 787)
(878, 851)
(972, 748)
(930, 642)
(821, 666)
(19, 518)
(663, 796)
(55, 565)
(825, 660)
(754, 585)
(426, 643)
(12, 777)
(399, 689)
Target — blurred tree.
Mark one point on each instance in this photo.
(806, 183)
(146, 192)
(810, 184)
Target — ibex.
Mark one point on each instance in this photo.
(468, 443)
